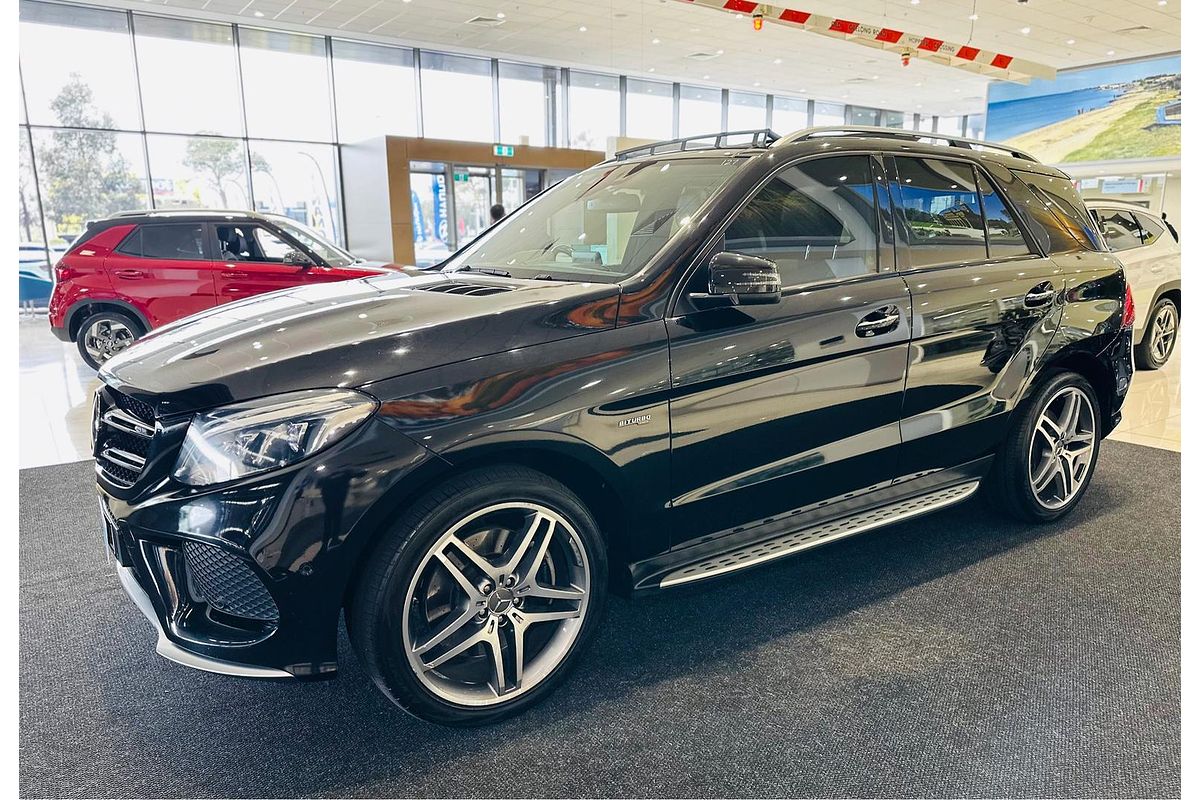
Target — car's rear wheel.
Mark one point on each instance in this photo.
(1044, 467)
(479, 599)
(104, 334)
(1158, 340)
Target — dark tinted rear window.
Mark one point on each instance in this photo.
(1064, 203)
(940, 207)
(183, 241)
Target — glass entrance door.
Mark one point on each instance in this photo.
(474, 194)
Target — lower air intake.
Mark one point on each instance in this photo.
(227, 583)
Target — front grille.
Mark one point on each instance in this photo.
(125, 431)
(227, 583)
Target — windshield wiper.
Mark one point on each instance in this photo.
(485, 270)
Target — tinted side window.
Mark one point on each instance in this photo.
(1119, 229)
(184, 242)
(815, 220)
(1152, 229)
(1004, 237)
(251, 243)
(1063, 201)
(940, 206)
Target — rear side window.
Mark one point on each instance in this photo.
(184, 242)
(940, 207)
(1119, 229)
(1152, 229)
(1004, 236)
(1060, 197)
(816, 221)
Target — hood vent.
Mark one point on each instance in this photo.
(472, 289)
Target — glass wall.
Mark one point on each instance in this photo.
(699, 110)
(595, 109)
(456, 97)
(747, 112)
(526, 93)
(122, 110)
(361, 114)
(649, 109)
(789, 114)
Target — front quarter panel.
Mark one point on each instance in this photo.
(599, 400)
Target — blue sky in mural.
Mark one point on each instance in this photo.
(1014, 108)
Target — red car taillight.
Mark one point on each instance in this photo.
(1127, 316)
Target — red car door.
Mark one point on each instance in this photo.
(254, 259)
(165, 270)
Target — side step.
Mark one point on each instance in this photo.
(761, 552)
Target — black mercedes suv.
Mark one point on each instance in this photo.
(694, 358)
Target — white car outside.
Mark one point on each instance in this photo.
(1149, 249)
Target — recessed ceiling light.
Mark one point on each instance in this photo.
(1111, 52)
(1026, 30)
(918, 83)
(1070, 41)
(583, 28)
(915, 2)
(777, 61)
(704, 78)
(874, 77)
(499, 15)
(651, 69)
(258, 14)
(1162, 2)
(973, 17)
(655, 41)
(720, 52)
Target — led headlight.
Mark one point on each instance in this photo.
(237, 440)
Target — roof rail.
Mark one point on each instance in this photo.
(900, 133)
(758, 138)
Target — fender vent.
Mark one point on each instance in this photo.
(472, 289)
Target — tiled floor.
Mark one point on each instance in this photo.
(56, 391)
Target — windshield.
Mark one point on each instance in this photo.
(333, 255)
(603, 224)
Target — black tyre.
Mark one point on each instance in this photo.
(1158, 340)
(1045, 465)
(104, 334)
(477, 602)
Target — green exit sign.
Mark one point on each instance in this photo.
(462, 177)
(505, 150)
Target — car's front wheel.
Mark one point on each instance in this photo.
(480, 598)
(1158, 341)
(104, 334)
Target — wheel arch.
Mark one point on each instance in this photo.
(1092, 369)
(82, 309)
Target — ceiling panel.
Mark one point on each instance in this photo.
(620, 36)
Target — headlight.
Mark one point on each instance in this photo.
(237, 440)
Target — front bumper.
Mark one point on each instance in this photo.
(249, 578)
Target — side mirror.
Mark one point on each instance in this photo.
(297, 259)
(746, 280)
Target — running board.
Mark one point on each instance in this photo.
(771, 549)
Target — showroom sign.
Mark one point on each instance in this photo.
(906, 45)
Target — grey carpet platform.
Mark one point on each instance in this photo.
(956, 655)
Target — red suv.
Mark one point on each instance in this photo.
(137, 271)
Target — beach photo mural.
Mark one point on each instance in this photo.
(1104, 113)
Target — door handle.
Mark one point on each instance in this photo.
(881, 320)
(234, 274)
(130, 274)
(1039, 295)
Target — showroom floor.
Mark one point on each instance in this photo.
(957, 655)
(56, 392)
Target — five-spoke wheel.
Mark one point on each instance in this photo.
(1161, 334)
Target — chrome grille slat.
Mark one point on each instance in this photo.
(124, 458)
(124, 438)
(124, 421)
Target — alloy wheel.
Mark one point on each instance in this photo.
(1162, 335)
(496, 604)
(1061, 449)
(104, 338)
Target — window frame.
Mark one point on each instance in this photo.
(205, 241)
(903, 254)
(1162, 229)
(214, 241)
(717, 235)
(1030, 244)
(1095, 214)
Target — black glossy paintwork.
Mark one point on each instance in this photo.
(682, 423)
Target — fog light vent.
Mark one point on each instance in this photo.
(227, 583)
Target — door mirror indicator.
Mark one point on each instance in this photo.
(745, 280)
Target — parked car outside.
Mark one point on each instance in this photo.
(133, 272)
(692, 359)
(1149, 249)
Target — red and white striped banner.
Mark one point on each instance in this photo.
(962, 56)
